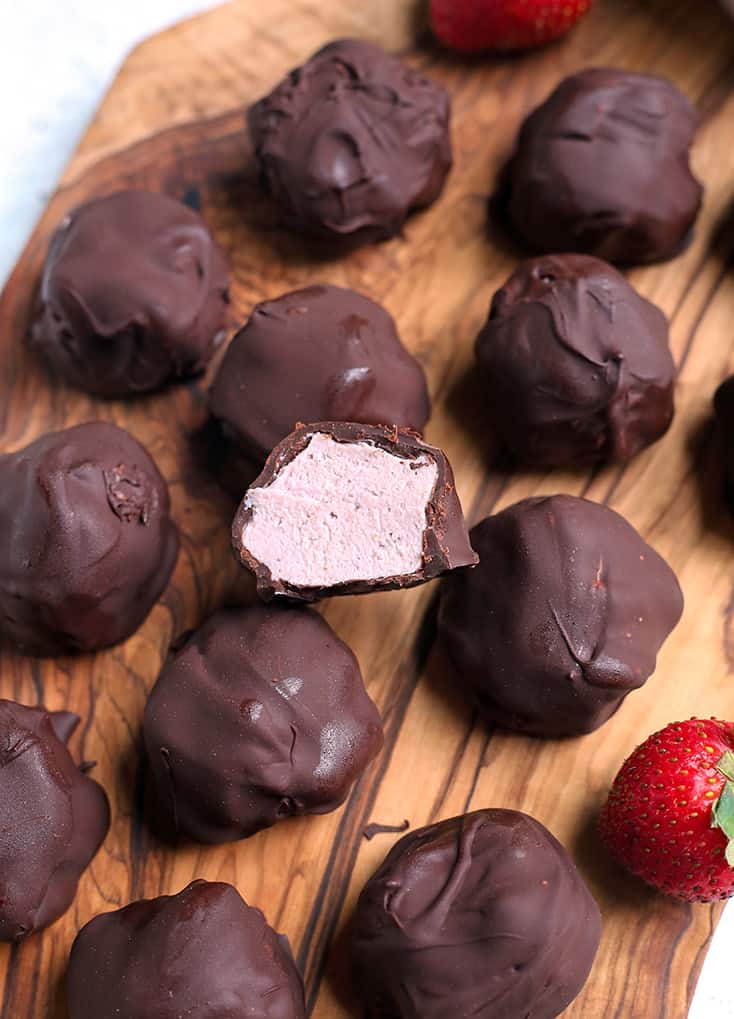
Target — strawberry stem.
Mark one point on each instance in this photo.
(722, 815)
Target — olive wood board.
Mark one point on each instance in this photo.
(174, 121)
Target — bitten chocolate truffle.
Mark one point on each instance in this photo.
(54, 818)
(575, 363)
(261, 715)
(89, 544)
(203, 953)
(482, 916)
(352, 141)
(345, 508)
(318, 354)
(602, 167)
(563, 617)
(134, 293)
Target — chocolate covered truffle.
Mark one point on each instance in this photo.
(319, 354)
(482, 916)
(89, 544)
(602, 167)
(134, 293)
(54, 818)
(345, 508)
(261, 715)
(563, 617)
(203, 954)
(575, 363)
(352, 141)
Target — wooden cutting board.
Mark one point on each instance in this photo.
(173, 120)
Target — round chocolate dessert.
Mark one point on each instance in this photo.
(602, 166)
(89, 544)
(575, 363)
(318, 354)
(561, 619)
(352, 141)
(261, 715)
(484, 915)
(203, 953)
(54, 818)
(134, 293)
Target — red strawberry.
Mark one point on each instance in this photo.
(670, 814)
(469, 25)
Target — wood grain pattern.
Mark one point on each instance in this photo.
(173, 120)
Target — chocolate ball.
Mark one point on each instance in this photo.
(318, 354)
(484, 915)
(602, 167)
(203, 953)
(261, 715)
(134, 293)
(575, 363)
(54, 818)
(89, 543)
(561, 619)
(352, 141)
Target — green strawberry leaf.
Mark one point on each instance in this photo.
(726, 765)
(722, 816)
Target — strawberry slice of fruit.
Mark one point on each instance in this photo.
(670, 814)
(469, 25)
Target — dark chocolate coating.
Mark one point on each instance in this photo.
(54, 818)
(575, 363)
(89, 544)
(483, 916)
(318, 354)
(261, 715)
(134, 293)
(602, 166)
(445, 542)
(352, 141)
(563, 617)
(200, 954)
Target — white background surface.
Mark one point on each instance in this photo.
(57, 58)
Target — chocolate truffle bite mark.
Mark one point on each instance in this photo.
(575, 363)
(352, 141)
(563, 617)
(344, 508)
(134, 294)
(261, 715)
(323, 353)
(54, 818)
(203, 953)
(482, 916)
(89, 543)
(602, 167)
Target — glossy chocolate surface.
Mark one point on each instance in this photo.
(563, 617)
(352, 141)
(89, 544)
(200, 954)
(54, 818)
(483, 916)
(134, 293)
(575, 364)
(261, 715)
(602, 167)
